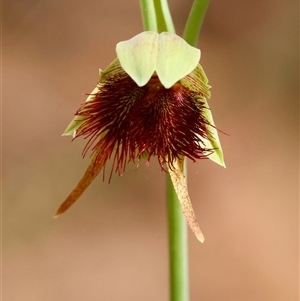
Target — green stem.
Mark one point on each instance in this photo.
(157, 17)
(195, 21)
(148, 15)
(163, 15)
(178, 247)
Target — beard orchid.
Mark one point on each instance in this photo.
(151, 101)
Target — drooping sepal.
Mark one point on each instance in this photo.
(90, 174)
(178, 178)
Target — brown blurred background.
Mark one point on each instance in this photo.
(112, 245)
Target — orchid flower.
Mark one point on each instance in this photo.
(151, 101)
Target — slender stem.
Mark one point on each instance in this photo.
(178, 247)
(195, 21)
(157, 17)
(163, 15)
(148, 15)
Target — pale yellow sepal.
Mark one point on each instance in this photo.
(167, 54)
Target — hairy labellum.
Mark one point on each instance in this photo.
(125, 122)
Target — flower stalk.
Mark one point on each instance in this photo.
(178, 247)
(177, 226)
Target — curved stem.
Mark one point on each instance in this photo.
(194, 22)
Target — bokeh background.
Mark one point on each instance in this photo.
(112, 245)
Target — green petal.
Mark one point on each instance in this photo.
(78, 120)
(113, 68)
(213, 141)
(166, 53)
(197, 82)
(73, 126)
